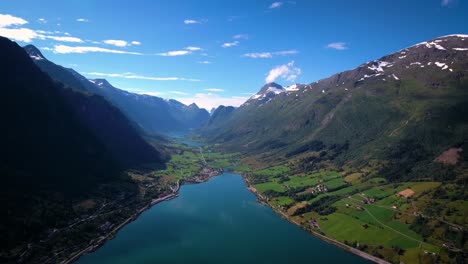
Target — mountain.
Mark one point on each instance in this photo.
(152, 114)
(378, 149)
(212, 111)
(220, 114)
(57, 144)
(266, 93)
(416, 97)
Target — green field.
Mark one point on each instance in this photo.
(273, 186)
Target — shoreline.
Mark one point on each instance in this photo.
(260, 199)
(362, 254)
(111, 234)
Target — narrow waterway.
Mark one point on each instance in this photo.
(218, 221)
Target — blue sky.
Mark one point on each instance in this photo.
(221, 52)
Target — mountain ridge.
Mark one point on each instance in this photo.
(152, 114)
(60, 145)
(307, 111)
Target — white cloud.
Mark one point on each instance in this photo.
(241, 36)
(204, 62)
(19, 34)
(62, 49)
(214, 90)
(135, 42)
(337, 45)
(192, 21)
(191, 48)
(41, 21)
(26, 34)
(210, 100)
(275, 5)
(174, 53)
(261, 55)
(287, 72)
(267, 55)
(82, 20)
(116, 42)
(65, 39)
(129, 75)
(178, 92)
(9, 20)
(230, 44)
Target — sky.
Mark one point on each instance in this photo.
(222, 52)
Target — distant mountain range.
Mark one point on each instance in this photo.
(154, 115)
(416, 98)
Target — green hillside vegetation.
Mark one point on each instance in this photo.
(361, 135)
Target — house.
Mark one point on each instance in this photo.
(407, 193)
(368, 200)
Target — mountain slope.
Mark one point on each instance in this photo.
(153, 115)
(408, 94)
(375, 158)
(57, 144)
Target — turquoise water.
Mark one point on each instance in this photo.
(181, 137)
(215, 222)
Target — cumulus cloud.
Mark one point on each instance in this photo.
(129, 75)
(19, 34)
(287, 72)
(26, 34)
(210, 100)
(9, 20)
(204, 62)
(337, 46)
(230, 44)
(116, 42)
(186, 51)
(82, 20)
(41, 21)
(63, 49)
(275, 5)
(267, 55)
(135, 42)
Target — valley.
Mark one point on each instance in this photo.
(234, 132)
(99, 218)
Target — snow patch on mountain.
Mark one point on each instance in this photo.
(36, 57)
(275, 90)
(377, 66)
(442, 65)
(292, 88)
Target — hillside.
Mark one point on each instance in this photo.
(154, 115)
(378, 104)
(57, 145)
(372, 158)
